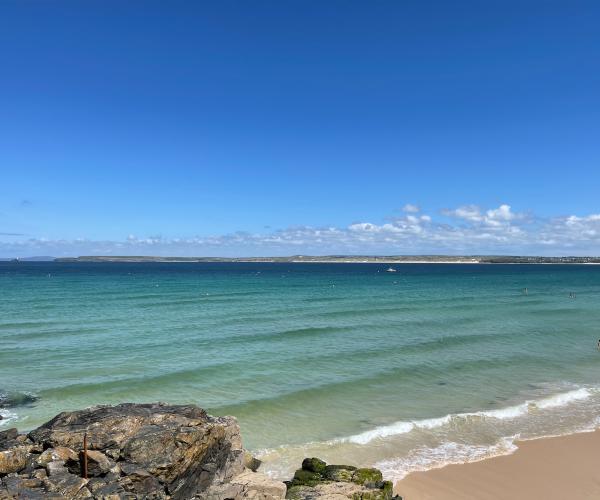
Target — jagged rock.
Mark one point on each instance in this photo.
(141, 482)
(59, 453)
(149, 451)
(15, 484)
(113, 426)
(98, 464)
(13, 459)
(65, 483)
(104, 490)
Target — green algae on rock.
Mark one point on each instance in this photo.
(316, 479)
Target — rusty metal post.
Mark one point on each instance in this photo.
(85, 464)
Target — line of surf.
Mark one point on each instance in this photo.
(510, 412)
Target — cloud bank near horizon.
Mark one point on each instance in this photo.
(467, 229)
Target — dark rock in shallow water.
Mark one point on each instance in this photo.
(150, 451)
(12, 399)
(316, 479)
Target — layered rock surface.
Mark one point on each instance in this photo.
(151, 451)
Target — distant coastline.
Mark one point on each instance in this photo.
(351, 259)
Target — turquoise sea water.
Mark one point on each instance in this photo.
(408, 370)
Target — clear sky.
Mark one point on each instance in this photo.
(283, 127)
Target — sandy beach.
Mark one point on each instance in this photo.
(566, 467)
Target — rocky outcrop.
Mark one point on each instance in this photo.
(316, 479)
(158, 451)
(150, 451)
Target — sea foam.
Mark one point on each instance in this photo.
(509, 412)
(447, 453)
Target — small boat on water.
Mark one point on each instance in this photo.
(390, 270)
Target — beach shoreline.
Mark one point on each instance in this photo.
(549, 468)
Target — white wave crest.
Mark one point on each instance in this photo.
(564, 398)
(7, 417)
(502, 413)
(379, 432)
(509, 412)
(447, 453)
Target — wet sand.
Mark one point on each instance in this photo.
(566, 467)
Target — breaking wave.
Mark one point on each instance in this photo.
(424, 458)
(510, 412)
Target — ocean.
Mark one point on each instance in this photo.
(430, 365)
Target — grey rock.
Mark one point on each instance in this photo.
(23, 486)
(102, 490)
(9, 434)
(65, 484)
(56, 467)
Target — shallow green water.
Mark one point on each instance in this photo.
(343, 360)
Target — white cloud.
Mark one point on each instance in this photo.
(411, 209)
(494, 217)
(471, 230)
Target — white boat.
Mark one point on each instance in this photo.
(390, 270)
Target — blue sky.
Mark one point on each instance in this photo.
(254, 128)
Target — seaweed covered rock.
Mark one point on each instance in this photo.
(150, 451)
(367, 476)
(314, 465)
(316, 480)
(343, 473)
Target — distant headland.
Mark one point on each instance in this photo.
(351, 259)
